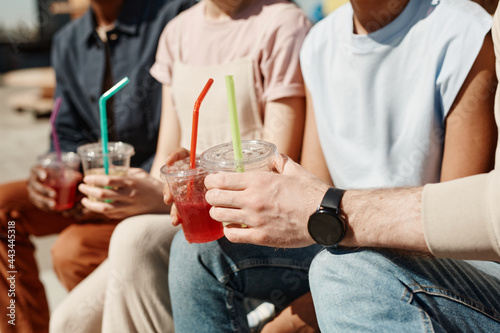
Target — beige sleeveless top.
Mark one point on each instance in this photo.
(214, 126)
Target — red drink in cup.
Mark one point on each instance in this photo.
(62, 176)
(188, 189)
(199, 226)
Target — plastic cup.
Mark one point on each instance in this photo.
(62, 176)
(188, 190)
(119, 154)
(257, 156)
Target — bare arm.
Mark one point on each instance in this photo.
(395, 215)
(471, 132)
(389, 218)
(312, 157)
(169, 137)
(284, 124)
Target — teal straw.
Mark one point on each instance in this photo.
(235, 127)
(104, 120)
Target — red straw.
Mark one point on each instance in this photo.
(194, 131)
(55, 138)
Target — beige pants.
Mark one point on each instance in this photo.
(129, 291)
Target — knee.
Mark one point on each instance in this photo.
(185, 260)
(70, 317)
(182, 263)
(178, 250)
(13, 198)
(198, 261)
(60, 320)
(67, 247)
(346, 271)
(141, 243)
(67, 253)
(143, 236)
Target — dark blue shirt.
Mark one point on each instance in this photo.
(79, 58)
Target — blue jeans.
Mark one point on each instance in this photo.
(369, 291)
(208, 282)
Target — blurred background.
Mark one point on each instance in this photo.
(27, 85)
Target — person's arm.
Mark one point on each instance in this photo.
(471, 132)
(312, 157)
(376, 218)
(169, 137)
(284, 124)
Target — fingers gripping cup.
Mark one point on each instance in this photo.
(62, 176)
(257, 156)
(119, 154)
(187, 187)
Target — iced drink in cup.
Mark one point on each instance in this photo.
(187, 187)
(119, 154)
(62, 176)
(257, 156)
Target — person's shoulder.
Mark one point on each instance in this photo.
(465, 11)
(173, 8)
(327, 30)
(183, 9)
(282, 10)
(281, 7)
(72, 30)
(283, 16)
(66, 41)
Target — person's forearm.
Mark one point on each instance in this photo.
(389, 218)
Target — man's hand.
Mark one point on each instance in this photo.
(41, 195)
(137, 193)
(275, 206)
(298, 317)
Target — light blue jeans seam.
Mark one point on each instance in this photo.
(439, 292)
(408, 297)
(253, 263)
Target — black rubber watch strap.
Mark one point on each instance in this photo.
(332, 199)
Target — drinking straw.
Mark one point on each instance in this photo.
(194, 130)
(235, 128)
(55, 138)
(104, 120)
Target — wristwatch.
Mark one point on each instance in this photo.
(326, 226)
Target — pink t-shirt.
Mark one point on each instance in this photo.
(268, 31)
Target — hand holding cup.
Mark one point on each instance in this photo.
(168, 199)
(53, 180)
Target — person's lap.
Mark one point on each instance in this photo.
(383, 291)
(208, 282)
(129, 289)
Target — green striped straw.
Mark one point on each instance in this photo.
(104, 120)
(235, 127)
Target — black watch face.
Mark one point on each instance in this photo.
(326, 228)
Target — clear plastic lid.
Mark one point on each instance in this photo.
(68, 159)
(257, 156)
(94, 150)
(182, 169)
